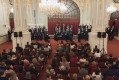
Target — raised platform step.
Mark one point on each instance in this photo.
(75, 36)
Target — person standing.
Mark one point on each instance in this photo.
(9, 34)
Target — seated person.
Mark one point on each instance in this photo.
(97, 54)
(82, 60)
(3, 75)
(65, 63)
(35, 62)
(95, 49)
(32, 70)
(27, 76)
(97, 75)
(4, 52)
(28, 45)
(41, 57)
(63, 70)
(11, 53)
(83, 71)
(18, 48)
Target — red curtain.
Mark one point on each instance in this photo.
(117, 24)
(52, 25)
(111, 22)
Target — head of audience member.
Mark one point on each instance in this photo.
(26, 62)
(9, 57)
(110, 55)
(87, 77)
(75, 76)
(62, 67)
(2, 64)
(64, 60)
(10, 50)
(14, 57)
(27, 43)
(13, 76)
(28, 75)
(4, 50)
(97, 71)
(34, 60)
(94, 63)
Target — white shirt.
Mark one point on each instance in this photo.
(97, 54)
(82, 60)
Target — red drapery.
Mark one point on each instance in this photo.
(117, 24)
(52, 25)
(111, 22)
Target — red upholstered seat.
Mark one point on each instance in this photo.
(33, 77)
(20, 76)
(16, 68)
(109, 78)
(73, 69)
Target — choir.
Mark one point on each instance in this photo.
(83, 31)
(63, 32)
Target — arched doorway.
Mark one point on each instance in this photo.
(114, 21)
(70, 17)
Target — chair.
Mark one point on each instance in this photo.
(15, 62)
(73, 69)
(101, 64)
(20, 76)
(26, 67)
(109, 78)
(73, 65)
(16, 68)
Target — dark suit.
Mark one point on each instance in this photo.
(9, 35)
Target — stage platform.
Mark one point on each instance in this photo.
(74, 37)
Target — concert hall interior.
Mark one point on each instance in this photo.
(59, 40)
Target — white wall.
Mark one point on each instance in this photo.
(4, 17)
(41, 19)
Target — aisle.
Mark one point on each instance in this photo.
(49, 60)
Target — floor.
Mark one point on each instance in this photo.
(112, 47)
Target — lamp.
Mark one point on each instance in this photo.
(111, 9)
(52, 7)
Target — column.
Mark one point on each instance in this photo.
(20, 19)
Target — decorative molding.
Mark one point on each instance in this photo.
(116, 1)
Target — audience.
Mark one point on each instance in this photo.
(3, 75)
(68, 55)
(27, 76)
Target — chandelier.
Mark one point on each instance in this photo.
(111, 9)
(51, 7)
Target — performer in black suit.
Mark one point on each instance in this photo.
(79, 27)
(9, 34)
(86, 34)
(79, 34)
(32, 34)
(111, 33)
(82, 32)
